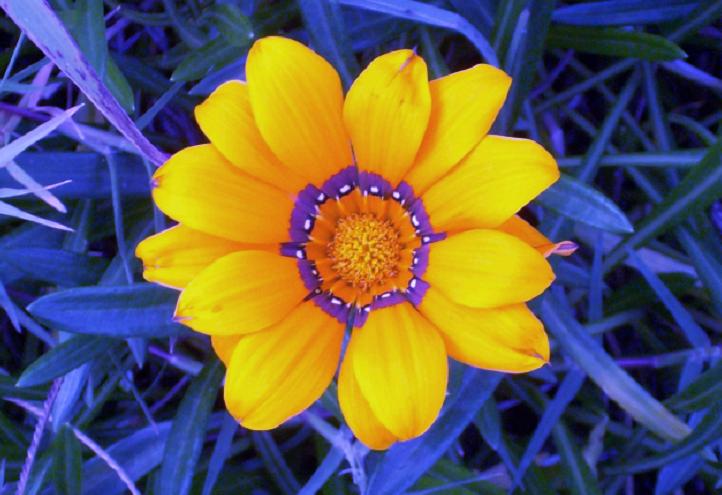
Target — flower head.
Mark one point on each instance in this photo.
(389, 211)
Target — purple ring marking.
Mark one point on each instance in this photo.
(303, 219)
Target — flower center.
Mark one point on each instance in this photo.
(361, 244)
(365, 250)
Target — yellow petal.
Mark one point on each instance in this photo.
(518, 227)
(463, 107)
(277, 373)
(242, 292)
(227, 120)
(386, 113)
(487, 268)
(176, 255)
(357, 412)
(297, 100)
(508, 338)
(223, 345)
(493, 182)
(199, 188)
(400, 363)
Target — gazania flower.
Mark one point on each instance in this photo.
(389, 212)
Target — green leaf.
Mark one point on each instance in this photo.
(56, 266)
(43, 27)
(553, 411)
(614, 42)
(221, 452)
(582, 203)
(212, 55)
(326, 469)
(430, 14)
(325, 24)
(17, 146)
(139, 310)
(707, 433)
(8, 390)
(66, 468)
(700, 187)
(64, 358)
(185, 440)
(87, 23)
(672, 476)
(580, 479)
(704, 391)
(87, 172)
(623, 12)
(275, 463)
(677, 158)
(523, 57)
(136, 454)
(235, 27)
(605, 372)
(691, 329)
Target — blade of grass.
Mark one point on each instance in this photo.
(579, 202)
(14, 148)
(63, 358)
(615, 43)
(42, 192)
(325, 25)
(43, 27)
(12, 211)
(581, 480)
(605, 372)
(701, 186)
(275, 463)
(553, 411)
(433, 16)
(694, 333)
(221, 452)
(185, 440)
(67, 463)
(524, 62)
(325, 470)
(623, 12)
(138, 310)
(707, 434)
(591, 160)
(677, 158)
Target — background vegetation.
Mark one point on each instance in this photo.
(102, 395)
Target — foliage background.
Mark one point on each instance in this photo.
(101, 395)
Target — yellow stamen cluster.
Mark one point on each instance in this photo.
(365, 250)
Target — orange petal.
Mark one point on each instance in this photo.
(297, 101)
(487, 268)
(223, 346)
(463, 107)
(176, 255)
(357, 412)
(400, 363)
(227, 120)
(277, 373)
(242, 292)
(386, 113)
(199, 188)
(518, 227)
(493, 182)
(508, 338)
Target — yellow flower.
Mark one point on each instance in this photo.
(389, 211)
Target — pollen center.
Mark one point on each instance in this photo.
(365, 250)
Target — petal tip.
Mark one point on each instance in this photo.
(564, 248)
